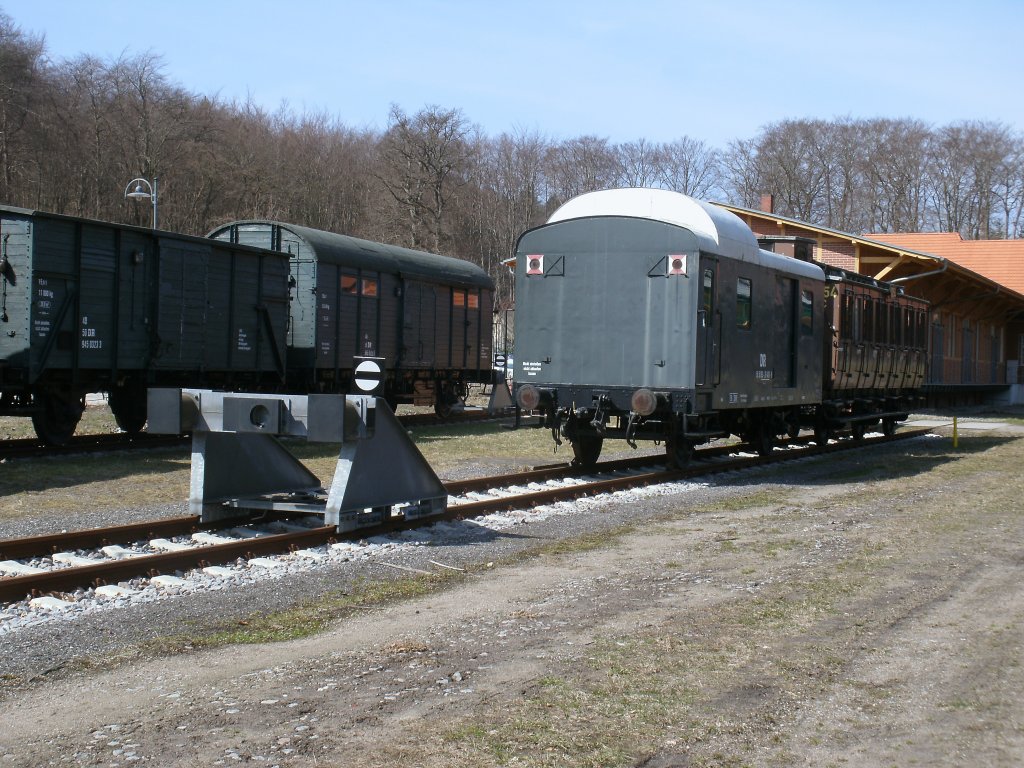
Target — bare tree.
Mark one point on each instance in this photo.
(965, 162)
(692, 167)
(1009, 191)
(895, 168)
(584, 164)
(745, 180)
(639, 164)
(21, 83)
(422, 157)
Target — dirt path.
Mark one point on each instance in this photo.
(870, 617)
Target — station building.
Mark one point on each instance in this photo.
(976, 291)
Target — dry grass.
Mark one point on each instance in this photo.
(55, 487)
(710, 689)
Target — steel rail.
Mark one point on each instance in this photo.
(15, 588)
(64, 579)
(569, 493)
(92, 538)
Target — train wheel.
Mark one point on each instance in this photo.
(858, 429)
(762, 437)
(679, 452)
(821, 435)
(56, 417)
(586, 449)
(888, 427)
(128, 404)
(447, 398)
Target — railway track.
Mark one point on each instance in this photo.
(100, 558)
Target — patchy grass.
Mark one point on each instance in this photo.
(97, 420)
(314, 616)
(133, 479)
(700, 688)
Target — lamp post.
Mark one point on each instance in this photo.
(141, 189)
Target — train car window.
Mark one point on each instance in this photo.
(856, 319)
(806, 313)
(709, 292)
(869, 318)
(881, 332)
(743, 302)
(474, 300)
(350, 284)
(458, 298)
(370, 288)
(846, 317)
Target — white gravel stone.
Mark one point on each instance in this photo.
(70, 558)
(113, 591)
(205, 537)
(117, 552)
(265, 562)
(310, 554)
(50, 603)
(14, 568)
(165, 582)
(166, 545)
(218, 571)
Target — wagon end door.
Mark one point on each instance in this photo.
(706, 371)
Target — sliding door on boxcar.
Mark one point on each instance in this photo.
(419, 325)
(182, 306)
(348, 316)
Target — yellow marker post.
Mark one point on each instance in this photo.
(956, 441)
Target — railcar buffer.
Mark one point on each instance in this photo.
(240, 463)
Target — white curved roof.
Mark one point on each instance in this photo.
(704, 220)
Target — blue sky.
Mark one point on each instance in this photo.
(652, 69)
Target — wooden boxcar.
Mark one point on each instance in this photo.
(90, 306)
(428, 316)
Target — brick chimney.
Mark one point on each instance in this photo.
(768, 203)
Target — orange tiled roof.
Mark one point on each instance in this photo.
(999, 260)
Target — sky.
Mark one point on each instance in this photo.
(623, 70)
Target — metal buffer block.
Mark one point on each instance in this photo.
(238, 462)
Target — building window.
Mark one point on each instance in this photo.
(743, 302)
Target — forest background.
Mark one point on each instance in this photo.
(74, 132)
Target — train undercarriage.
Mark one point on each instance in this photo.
(56, 404)
(681, 431)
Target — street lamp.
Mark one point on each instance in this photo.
(141, 189)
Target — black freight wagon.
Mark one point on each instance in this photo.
(429, 316)
(91, 306)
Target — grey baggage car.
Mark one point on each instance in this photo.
(644, 314)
